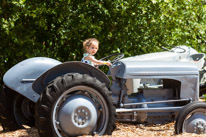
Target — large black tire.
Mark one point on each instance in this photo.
(68, 89)
(12, 114)
(191, 118)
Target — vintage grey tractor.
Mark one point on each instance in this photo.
(73, 98)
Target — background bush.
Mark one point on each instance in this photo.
(56, 28)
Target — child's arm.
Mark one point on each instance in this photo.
(98, 62)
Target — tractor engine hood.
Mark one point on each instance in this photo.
(175, 55)
(133, 69)
(159, 56)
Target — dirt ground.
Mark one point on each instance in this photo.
(122, 130)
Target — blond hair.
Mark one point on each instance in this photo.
(88, 42)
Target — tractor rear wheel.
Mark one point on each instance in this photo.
(74, 105)
(16, 111)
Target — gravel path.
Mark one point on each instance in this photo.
(122, 130)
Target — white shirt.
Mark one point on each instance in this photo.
(87, 61)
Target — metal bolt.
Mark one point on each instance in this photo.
(80, 121)
(76, 119)
(200, 129)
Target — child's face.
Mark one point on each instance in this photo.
(93, 48)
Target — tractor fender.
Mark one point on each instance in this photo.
(68, 67)
(21, 76)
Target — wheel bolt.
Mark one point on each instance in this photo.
(80, 121)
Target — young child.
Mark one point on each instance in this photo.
(91, 46)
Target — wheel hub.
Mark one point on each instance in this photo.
(200, 127)
(23, 111)
(81, 116)
(76, 115)
(27, 107)
(195, 124)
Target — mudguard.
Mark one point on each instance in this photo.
(21, 76)
(68, 67)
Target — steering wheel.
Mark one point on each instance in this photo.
(113, 57)
(173, 48)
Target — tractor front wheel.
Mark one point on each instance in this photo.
(192, 118)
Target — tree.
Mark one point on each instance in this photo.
(57, 28)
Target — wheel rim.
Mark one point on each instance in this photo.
(84, 108)
(195, 122)
(23, 111)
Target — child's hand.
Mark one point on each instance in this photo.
(108, 63)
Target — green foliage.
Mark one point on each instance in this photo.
(56, 28)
